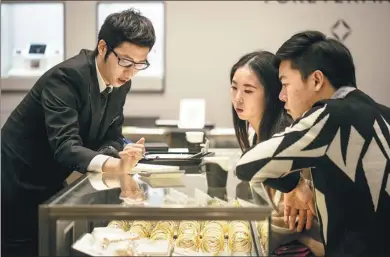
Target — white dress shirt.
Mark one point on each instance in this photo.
(97, 162)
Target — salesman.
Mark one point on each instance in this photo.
(70, 120)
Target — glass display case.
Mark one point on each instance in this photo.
(167, 212)
(151, 79)
(32, 40)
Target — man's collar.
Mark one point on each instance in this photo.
(102, 84)
(342, 92)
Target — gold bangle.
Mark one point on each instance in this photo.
(193, 225)
(188, 240)
(161, 234)
(239, 239)
(122, 224)
(142, 228)
(166, 225)
(213, 238)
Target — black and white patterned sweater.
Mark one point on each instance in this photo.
(346, 142)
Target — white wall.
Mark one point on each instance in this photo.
(38, 30)
(6, 36)
(205, 38)
(18, 31)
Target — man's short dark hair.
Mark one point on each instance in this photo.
(309, 51)
(127, 26)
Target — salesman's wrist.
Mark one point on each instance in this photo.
(112, 165)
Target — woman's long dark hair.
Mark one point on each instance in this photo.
(274, 119)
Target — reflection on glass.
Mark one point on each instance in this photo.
(216, 176)
(243, 190)
(32, 38)
(152, 77)
(184, 191)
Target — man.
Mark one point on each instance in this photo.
(339, 132)
(71, 120)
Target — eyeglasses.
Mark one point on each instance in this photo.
(127, 63)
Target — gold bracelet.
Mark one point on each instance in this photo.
(239, 239)
(213, 238)
(188, 240)
(161, 234)
(193, 225)
(122, 224)
(166, 225)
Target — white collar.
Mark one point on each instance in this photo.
(102, 84)
(342, 92)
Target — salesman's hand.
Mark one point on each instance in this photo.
(139, 144)
(130, 188)
(299, 202)
(131, 154)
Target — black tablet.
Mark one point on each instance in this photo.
(175, 159)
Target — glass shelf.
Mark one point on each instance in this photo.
(32, 38)
(95, 199)
(180, 195)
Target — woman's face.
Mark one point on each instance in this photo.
(247, 95)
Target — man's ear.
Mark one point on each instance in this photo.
(102, 47)
(318, 80)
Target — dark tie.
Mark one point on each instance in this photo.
(103, 99)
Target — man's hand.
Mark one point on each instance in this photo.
(129, 157)
(139, 144)
(299, 202)
(131, 154)
(130, 188)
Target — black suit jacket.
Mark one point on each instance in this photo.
(56, 128)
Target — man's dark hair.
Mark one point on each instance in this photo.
(127, 26)
(309, 51)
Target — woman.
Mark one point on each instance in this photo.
(255, 89)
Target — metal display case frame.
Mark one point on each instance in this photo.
(68, 215)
